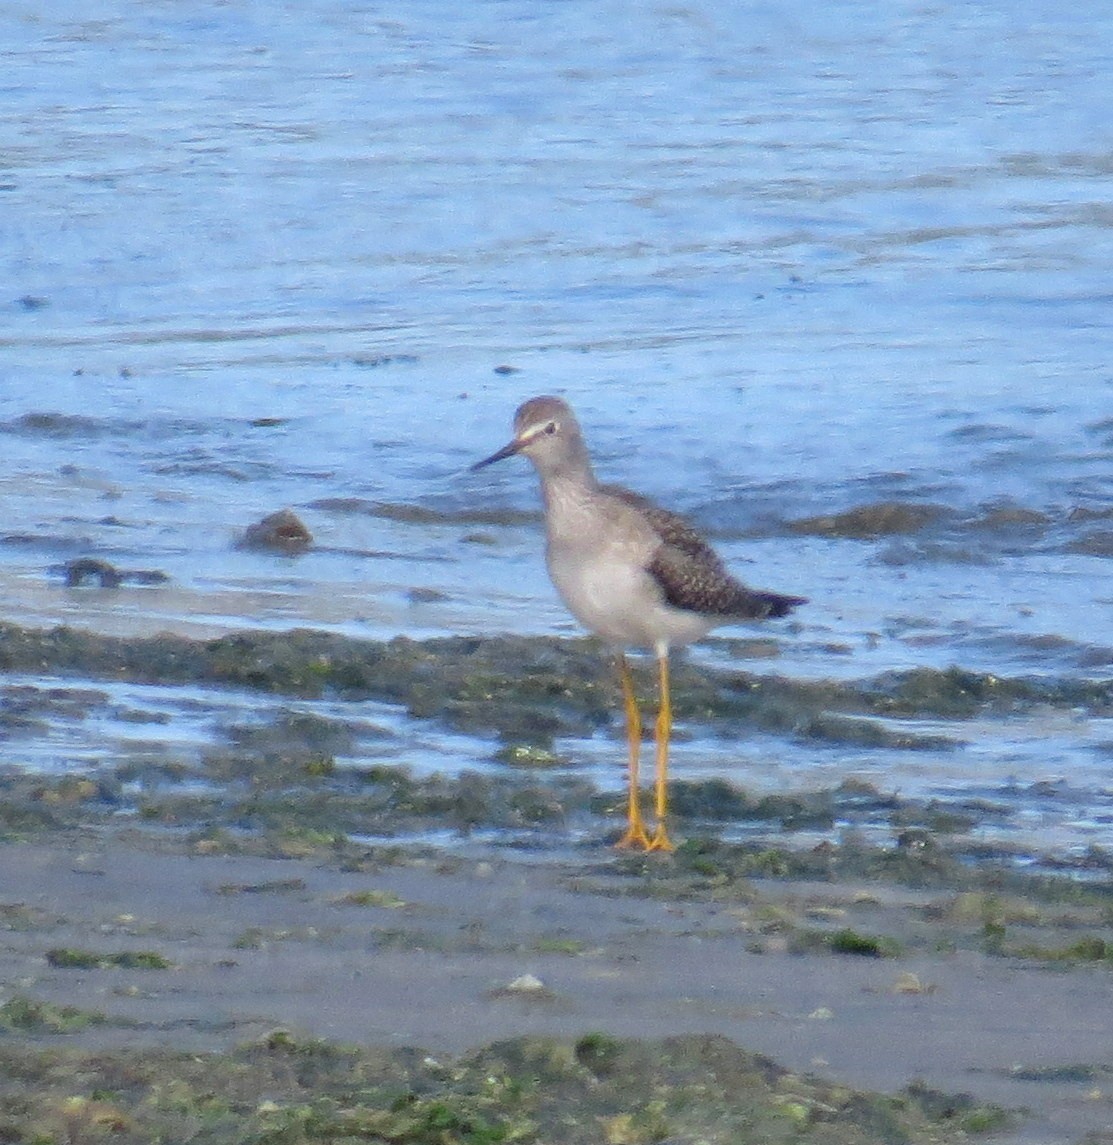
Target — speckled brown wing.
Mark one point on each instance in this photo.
(691, 574)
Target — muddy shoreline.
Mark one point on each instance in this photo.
(119, 940)
(197, 906)
(339, 772)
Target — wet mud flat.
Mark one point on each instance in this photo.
(321, 738)
(154, 987)
(258, 944)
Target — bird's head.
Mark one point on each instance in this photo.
(546, 431)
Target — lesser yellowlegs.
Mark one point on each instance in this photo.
(637, 575)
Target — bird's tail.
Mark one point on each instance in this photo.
(774, 604)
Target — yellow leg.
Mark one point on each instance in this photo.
(660, 840)
(635, 835)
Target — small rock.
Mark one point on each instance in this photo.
(529, 990)
(884, 518)
(526, 984)
(1002, 517)
(84, 570)
(146, 576)
(100, 574)
(909, 983)
(374, 361)
(1095, 544)
(282, 530)
(527, 755)
(426, 596)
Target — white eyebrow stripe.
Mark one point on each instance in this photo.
(532, 431)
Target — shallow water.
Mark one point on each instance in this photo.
(785, 262)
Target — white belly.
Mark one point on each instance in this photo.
(621, 602)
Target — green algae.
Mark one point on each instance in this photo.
(23, 917)
(385, 900)
(1037, 920)
(269, 886)
(23, 1014)
(261, 937)
(277, 788)
(528, 755)
(990, 907)
(958, 693)
(67, 958)
(350, 816)
(847, 941)
(1090, 948)
(560, 946)
(20, 818)
(286, 1091)
(525, 690)
(718, 800)
(880, 519)
(1076, 1073)
(383, 802)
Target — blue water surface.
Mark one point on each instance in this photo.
(785, 259)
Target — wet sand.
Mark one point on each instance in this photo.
(418, 948)
(296, 874)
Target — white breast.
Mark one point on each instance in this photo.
(598, 561)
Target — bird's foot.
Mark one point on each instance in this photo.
(634, 839)
(660, 840)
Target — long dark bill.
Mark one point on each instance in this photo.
(507, 450)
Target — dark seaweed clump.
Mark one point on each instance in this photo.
(531, 690)
(286, 1091)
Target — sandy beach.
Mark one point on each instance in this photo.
(433, 950)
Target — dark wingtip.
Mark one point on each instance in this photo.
(782, 605)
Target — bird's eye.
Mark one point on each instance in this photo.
(551, 427)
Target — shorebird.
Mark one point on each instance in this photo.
(636, 575)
